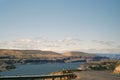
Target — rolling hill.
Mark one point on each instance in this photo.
(30, 54)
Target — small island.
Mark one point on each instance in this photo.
(4, 66)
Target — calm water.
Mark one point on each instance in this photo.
(39, 69)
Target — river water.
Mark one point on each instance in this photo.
(39, 69)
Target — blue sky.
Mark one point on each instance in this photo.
(94, 23)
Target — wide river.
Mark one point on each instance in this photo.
(39, 69)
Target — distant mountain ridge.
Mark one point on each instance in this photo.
(111, 56)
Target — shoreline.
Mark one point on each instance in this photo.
(89, 74)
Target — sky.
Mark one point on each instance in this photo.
(60, 25)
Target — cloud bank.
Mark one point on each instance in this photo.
(61, 45)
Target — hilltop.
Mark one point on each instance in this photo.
(76, 53)
(30, 54)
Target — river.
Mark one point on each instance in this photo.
(39, 69)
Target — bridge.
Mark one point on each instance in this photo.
(40, 77)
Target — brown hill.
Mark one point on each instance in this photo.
(75, 53)
(30, 54)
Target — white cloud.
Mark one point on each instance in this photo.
(65, 44)
(108, 43)
(24, 40)
(102, 50)
(118, 46)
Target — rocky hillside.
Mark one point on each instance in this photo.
(117, 68)
(75, 53)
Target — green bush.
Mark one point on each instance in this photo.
(10, 67)
(97, 67)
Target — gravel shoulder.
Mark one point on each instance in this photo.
(96, 75)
